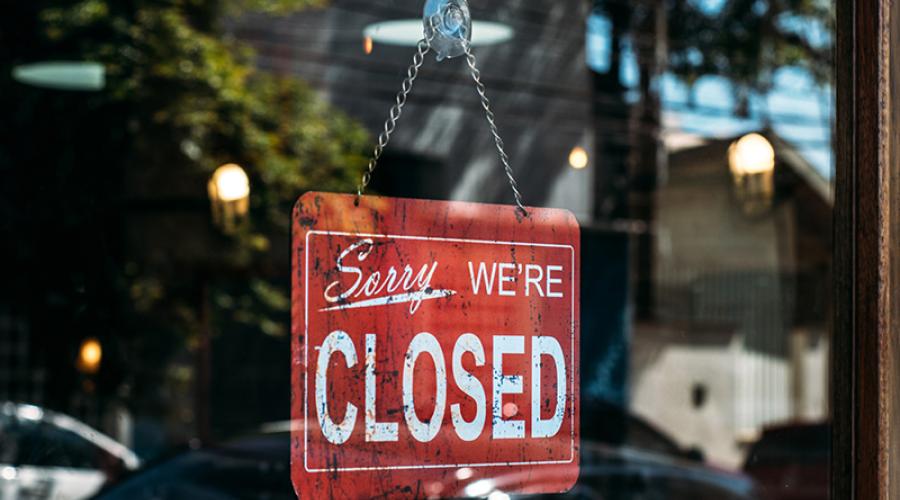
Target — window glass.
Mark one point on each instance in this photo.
(152, 152)
(45, 445)
(9, 439)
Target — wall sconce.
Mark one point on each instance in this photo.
(229, 197)
(751, 160)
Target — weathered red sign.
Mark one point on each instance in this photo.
(435, 348)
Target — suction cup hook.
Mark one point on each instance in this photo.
(448, 25)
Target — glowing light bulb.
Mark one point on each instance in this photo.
(229, 197)
(751, 154)
(368, 45)
(231, 183)
(90, 355)
(578, 158)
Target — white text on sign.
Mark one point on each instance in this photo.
(504, 277)
(424, 343)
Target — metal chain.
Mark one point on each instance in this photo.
(489, 115)
(422, 48)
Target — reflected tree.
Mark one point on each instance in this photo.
(104, 206)
(747, 41)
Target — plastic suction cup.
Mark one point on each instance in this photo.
(452, 26)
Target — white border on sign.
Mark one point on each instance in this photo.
(427, 238)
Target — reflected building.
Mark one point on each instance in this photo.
(739, 340)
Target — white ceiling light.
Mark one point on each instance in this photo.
(62, 75)
(408, 32)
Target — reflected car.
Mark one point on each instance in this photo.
(624, 429)
(48, 455)
(258, 467)
(626, 473)
(790, 462)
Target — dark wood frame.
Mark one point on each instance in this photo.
(866, 347)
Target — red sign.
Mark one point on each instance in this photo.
(435, 348)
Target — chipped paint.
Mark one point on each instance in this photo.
(430, 339)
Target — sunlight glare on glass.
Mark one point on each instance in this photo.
(231, 183)
(479, 488)
(578, 158)
(751, 154)
(408, 32)
(598, 44)
(30, 412)
(709, 7)
(464, 473)
(8, 473)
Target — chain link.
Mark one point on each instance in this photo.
(489, 115)
(422, 49)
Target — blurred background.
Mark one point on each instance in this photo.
(151, 151)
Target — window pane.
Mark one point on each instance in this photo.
(152, 153)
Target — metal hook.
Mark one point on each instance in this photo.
(448, 24)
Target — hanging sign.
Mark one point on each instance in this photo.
(434, 348)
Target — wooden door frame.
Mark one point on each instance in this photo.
(866, 348)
